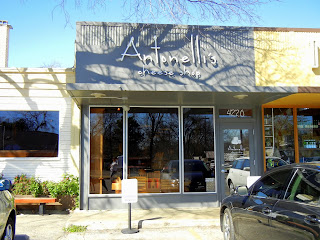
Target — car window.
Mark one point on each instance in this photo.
(246, 163)
(234, 164)
(305, 187)
(272, 185)
(239, 164)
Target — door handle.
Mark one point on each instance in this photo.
(312, 219)
(266, 210)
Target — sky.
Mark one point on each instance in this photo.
(40, 36)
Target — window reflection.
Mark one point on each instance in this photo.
(199, 165)
(309, 134)
(106, 157)
(279, 136)
(153, 149)
(29, 133)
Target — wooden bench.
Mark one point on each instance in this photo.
(42, 201)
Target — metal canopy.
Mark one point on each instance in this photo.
(172, 95)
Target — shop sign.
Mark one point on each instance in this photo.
(129, 193)
(166, 59)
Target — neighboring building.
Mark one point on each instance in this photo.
(39, 123)
(172, 106)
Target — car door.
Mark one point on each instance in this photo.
(252, 218)
(297, 216)
(3, 210)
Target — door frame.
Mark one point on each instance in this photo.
(219, 165)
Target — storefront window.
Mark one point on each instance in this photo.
(279, 136)
(198, 139)
(309, 134)
(106, 154)
(153, 149)
(29, 133)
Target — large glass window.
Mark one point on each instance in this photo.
(153, 149)
(29, 133)
(279, 136)
(198, 139)
(106, 154)
(309, 134)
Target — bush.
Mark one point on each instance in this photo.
(68, 186)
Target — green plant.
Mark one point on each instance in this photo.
(68, 186)
(75, 228)
(35, 187)
(21, 185)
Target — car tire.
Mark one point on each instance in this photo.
(227, 225)
(9, 230)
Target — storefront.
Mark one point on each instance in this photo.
(174, 106)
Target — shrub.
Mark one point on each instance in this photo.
(68, 186)
(21, 185)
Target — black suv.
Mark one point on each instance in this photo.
(282, 204)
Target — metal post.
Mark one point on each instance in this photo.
(129, 216)
(129, 230)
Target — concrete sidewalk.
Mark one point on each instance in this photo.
(153, 218)
(50, 226)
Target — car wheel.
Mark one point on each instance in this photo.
(231, 186)
(227, 225)
(8, 233)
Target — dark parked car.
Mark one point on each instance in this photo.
(195, 174)
(282, 204)
(7, 211)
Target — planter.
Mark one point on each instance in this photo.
(68, 202)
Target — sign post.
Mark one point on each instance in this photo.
(129, 195)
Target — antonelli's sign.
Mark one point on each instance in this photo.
(116, 53)
(167, 59)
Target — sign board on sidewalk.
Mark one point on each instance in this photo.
(129, 191)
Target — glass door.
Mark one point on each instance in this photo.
(237, 156)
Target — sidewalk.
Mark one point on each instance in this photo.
(50, 226)
(153, 218)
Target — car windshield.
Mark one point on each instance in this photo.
(246, 163)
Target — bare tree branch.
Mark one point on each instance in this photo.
(178, 11)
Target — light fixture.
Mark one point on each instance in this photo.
(126, 108)
(98, 95)
(240, 96)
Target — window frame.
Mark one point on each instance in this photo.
(180, 150)
(38, 158)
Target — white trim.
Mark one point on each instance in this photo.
(57, 158)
